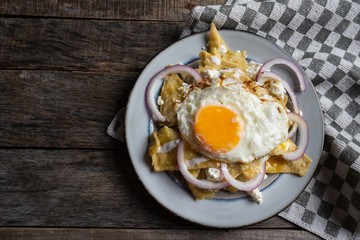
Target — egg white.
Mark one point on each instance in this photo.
(265, 123)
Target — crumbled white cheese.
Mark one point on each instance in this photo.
(214, 174)
(223, 49)
(214, 76)
(184, 87)
(215, 60)
(196, 161)
(203, 48)
(211, 74)
(252, 69)
(167, 147)
(256, 195)
(277, 89)
(159, 101)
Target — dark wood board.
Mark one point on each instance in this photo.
(170, 234)
(83, 188)
(86, 45)
(177, 10)
(57, 109)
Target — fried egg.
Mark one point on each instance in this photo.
(230, 123)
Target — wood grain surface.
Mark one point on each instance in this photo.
(160, 10)
(57, 109)
(82, 188)
(83, 45)
(170, 234)
(66, 68)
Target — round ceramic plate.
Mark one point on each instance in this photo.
(219, 212)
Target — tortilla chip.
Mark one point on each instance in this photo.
(215, 41)
(239, 58)
(277, 164)
(207, 62)
(250, 170)
(170, 93)
(214, 48)
(163, 161)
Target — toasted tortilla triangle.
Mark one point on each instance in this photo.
(215, 42)
(218, 48)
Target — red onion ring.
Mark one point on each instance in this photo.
(304, 138)
(292, 131)
(282, 61)
(200, 183)
(154, 85)
(244, 186)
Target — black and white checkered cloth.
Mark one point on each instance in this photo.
(324, 37)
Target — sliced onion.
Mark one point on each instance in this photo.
(282, 61)
(155, 83)
(304, 138)
(200, 183)
(292, 131)
(244, 186)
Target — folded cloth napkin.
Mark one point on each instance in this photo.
(324, 37)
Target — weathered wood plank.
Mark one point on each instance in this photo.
(61, 109)
(171, 234)
(124, 9)
(82, 188)
(86, 45)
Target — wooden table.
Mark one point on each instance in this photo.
(67, 67)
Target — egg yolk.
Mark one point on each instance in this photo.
(217, 128)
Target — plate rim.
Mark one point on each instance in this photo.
(310, 84)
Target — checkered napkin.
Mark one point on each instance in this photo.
(324, 37)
